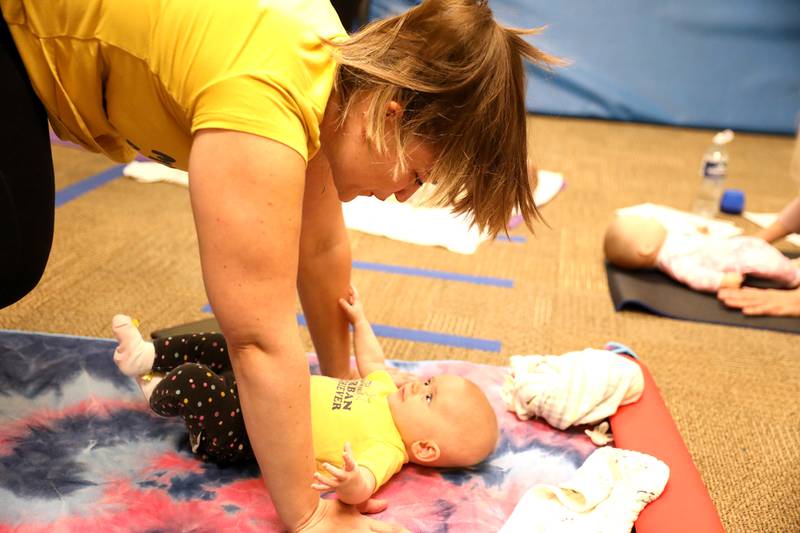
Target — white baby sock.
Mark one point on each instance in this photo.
(134, 356)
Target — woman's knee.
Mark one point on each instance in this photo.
(26, 235)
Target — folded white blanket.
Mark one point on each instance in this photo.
(430, 226)
(407, 222)
(571, 389)
(151, 172)
(605, 495)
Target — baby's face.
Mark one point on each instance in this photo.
(435, 409)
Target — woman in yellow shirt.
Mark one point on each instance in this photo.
(278, 117)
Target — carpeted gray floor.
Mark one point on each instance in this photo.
(128, 247)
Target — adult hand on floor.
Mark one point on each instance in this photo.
(770, 302)
(333, 516)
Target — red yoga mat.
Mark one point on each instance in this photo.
(647, 426)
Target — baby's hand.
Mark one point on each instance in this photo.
(352, 306)
(400, 377)
(342, 479)
(731, 280)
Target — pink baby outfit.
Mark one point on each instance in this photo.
(700, 261)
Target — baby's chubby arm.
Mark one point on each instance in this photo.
(369, 354)
(354, 484)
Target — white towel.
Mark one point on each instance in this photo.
(605, 495)
(407, 222)
(150, 172)
(414, 223)
(571, 389)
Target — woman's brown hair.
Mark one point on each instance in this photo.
(460, 78)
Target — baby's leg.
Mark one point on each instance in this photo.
(764, 260)
(209, 404)
(209, 349)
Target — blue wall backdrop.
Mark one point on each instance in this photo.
(700, 63)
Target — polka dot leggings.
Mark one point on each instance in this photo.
(199, 387)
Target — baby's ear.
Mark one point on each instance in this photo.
(647, 249)
(425, 451)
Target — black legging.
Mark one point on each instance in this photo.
(199, 387)
(27, 183)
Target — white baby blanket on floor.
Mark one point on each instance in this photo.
(765, 220)
(576, 388)
(605, 495)
(681, 221)
(430, 226)
(150, 172)
(405, 222)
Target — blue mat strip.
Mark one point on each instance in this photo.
(439, 274)
(418, 335)
(82, 187)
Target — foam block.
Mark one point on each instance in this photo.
(647, 426)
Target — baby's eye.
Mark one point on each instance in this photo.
(427, 382)
(418, 181)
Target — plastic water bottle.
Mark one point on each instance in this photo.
(713, 171)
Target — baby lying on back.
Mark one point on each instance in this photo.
(704, 263)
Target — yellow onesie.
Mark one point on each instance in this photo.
(119, 77)
(357, 411)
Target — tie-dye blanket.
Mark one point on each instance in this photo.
(80, 451)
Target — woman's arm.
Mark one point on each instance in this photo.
(788, 221)
(324, 269)
(773, 232)
(247, 197)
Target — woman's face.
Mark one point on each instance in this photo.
(358, 170)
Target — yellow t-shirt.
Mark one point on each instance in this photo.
(357, 411)
(119, 77)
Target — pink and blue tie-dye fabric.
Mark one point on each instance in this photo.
(80, 451)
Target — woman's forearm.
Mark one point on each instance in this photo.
(324, 269)
(274, 394)
(789, 217)
(773, 232)
(322, 280)
(247, 194)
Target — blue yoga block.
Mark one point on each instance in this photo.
(732, 201)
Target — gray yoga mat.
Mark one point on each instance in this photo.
(201, 326)
(654, 292)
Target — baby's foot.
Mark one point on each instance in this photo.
(134, 356)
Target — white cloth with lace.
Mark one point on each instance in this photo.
(576, 388)
(605, 495)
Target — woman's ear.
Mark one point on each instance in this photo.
(425, 451)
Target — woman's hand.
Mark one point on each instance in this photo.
(771, 302)
(333, 516)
